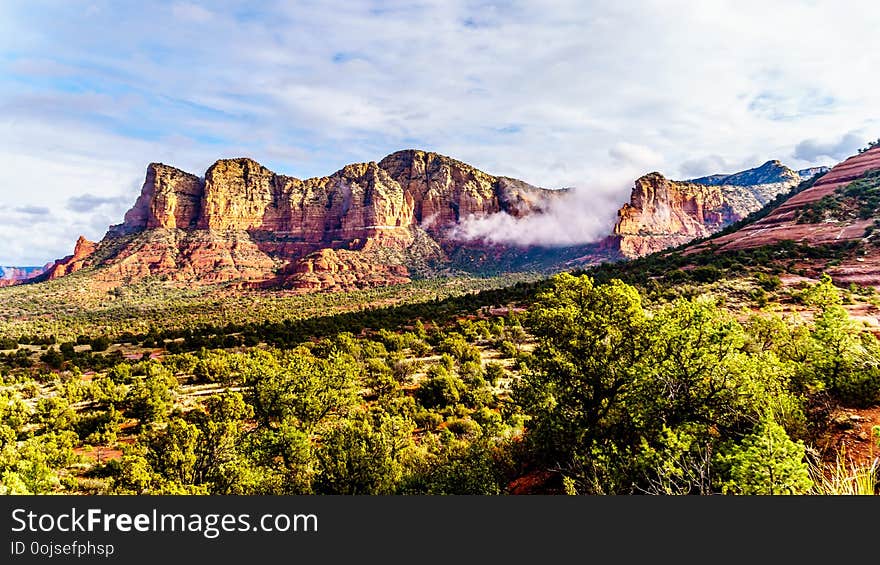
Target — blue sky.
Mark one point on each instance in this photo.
(586, 94)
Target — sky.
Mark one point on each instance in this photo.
(585, 94)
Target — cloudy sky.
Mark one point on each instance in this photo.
(589, 94)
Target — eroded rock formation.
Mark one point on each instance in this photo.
(82, 251)
(355, 228)
(663, 213)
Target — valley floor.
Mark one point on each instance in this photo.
(437, 389)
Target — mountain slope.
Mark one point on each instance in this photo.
(663, 213)
(832, 220)
(769, 173)
(783, 223)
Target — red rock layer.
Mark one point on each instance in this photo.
(664, 213)
(781, 223)
(244, 222)
(169, 199)
(330, 269)
(72, 263)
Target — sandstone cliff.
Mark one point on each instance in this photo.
(355, 228)
(441, 191)
(663, 213)
(82, 251)
(169, 199)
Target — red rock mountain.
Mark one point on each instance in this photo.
(378, 223)
(663, 213)
(15, 275)
(70, 264)
(368, 224)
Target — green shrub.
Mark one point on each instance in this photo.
(100, 343)
(768, 282)
(861, 388)
(440, 391)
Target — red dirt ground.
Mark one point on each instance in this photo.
(852, 431)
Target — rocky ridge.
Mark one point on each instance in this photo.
(781, 224)
(82, 251)
(850, 237)
(378, 223)
(664, 213)
(353, 229)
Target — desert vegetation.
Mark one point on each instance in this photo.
(859, 199)
(684, 384)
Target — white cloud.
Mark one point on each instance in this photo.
(85, 203)
(704, 166)
(576, 217)
(588, 94)
(187, 11)
(634, 154)
(814, 150)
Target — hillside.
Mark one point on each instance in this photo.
(783, 222)
(839, 210)
(571, 385)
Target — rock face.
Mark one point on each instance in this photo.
(365, 225)
(340, 269)
(72, 263)
(440, 191)
(169, 199)
(663, 213)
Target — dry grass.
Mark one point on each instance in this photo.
(845, 477)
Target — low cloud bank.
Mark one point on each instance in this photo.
(576, 217)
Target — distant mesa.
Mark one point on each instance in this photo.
(14, 275)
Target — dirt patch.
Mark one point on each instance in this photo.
(99, 454)
(536, 482)
(852, 432)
